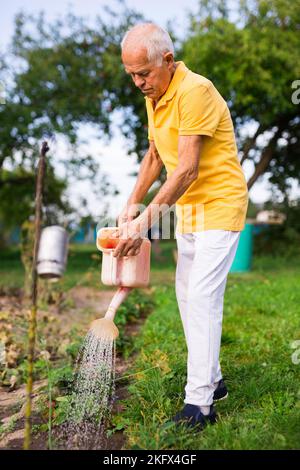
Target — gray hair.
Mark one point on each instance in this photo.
(153, 38)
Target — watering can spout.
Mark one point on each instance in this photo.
(105, 328)
(119, 297)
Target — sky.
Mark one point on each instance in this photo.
(111, 156)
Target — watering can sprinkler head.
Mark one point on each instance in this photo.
(105, 328)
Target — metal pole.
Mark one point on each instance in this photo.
(33, 310)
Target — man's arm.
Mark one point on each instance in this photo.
(189, 151)
(150, 170)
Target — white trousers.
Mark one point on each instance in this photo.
(203, 262)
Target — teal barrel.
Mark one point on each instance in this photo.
(243, 258)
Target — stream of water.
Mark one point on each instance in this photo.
(92, 398)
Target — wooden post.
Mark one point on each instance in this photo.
(33, 310)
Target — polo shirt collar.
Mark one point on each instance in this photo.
(180, 73)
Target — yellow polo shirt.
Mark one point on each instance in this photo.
(218, 198)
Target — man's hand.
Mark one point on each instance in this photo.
(130, 239)
(124, 217)
(129, 213)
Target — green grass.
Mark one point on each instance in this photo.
(11, 268)
(261, 321)
(83, 267)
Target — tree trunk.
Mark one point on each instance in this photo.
(248, 145)
(265, 159)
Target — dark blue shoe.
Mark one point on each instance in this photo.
(192, 416)
(221, 391)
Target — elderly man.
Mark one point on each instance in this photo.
(191, 133)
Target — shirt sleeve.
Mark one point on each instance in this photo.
(199, 111)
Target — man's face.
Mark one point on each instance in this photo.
(153, 80)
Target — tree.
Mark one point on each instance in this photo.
(253, 60)
(67, 74)
(17, 197)
(61, 76)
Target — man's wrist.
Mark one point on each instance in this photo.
(143, 222)
(148, 217)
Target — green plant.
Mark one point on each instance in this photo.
(9, 426)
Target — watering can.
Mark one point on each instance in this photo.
(129, 271)
(125, 272)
